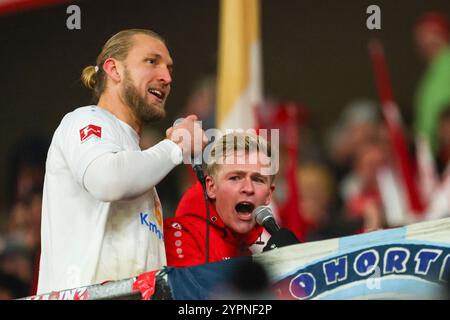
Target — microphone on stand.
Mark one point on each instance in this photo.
(281, 237)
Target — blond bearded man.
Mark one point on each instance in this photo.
(101, 215)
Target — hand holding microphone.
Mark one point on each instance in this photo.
(189, 135)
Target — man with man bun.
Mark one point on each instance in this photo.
(101, 216)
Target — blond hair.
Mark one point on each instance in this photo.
(235, 142)
(118, 46)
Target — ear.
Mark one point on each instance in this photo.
(269, 197)
(210, 187)
(112, 67)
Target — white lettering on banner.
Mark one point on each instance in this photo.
(338, 269)
(398, 258)
(368, 265)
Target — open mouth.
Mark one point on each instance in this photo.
(245, 210)
(157, 93)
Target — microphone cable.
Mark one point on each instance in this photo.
(201, 177)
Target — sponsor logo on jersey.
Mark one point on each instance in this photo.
(90, 131)
(153, 227)
(158, 213)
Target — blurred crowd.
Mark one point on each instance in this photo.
(344, 182)
(20, 226)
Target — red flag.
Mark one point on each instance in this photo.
(287, 117)
(393, 120)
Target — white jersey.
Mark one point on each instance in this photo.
(84, 240)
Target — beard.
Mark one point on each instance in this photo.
(143, 111)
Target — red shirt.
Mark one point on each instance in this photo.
(185, 234)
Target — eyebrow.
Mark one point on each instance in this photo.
(242, 173)
(258, 175)
(160, 57)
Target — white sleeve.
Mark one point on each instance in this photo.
(129, 174)
(85, 135)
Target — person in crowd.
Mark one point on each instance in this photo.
(358, 123)
(360, 189)
(443, 145)
(317, 209)
(439, 204)
(12, 287)
(432, 38)
(321, 215)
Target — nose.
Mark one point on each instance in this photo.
(247, 186)
(164, 76)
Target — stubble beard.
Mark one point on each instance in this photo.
(143, 111)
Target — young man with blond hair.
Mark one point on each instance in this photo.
(239, 179)
(101, 215)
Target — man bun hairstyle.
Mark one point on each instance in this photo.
(88, 77)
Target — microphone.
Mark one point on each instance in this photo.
(196, 162)
(264, 217)
(280, 236)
